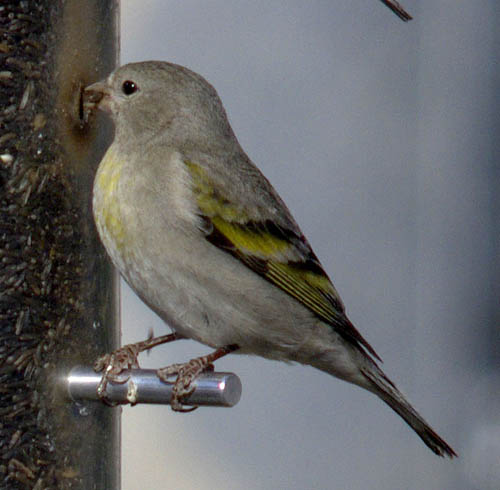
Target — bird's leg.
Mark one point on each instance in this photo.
(187, 372)
(114, 363)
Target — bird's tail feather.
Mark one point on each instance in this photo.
(387, 391)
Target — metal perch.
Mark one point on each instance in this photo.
(143, 386)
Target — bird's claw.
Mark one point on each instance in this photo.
(186, 374)
(112, 366)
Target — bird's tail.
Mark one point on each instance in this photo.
(384, 388)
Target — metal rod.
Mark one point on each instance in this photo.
(143, 386)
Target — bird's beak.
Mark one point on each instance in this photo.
(97, 96)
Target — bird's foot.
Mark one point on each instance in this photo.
(186, 373)
(113, 364)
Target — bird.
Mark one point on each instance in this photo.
(205, 241)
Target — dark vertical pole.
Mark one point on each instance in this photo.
(58, 293)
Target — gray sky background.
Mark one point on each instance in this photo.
(382, 138)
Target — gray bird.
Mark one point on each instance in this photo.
(206, 242)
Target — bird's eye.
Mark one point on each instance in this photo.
(129, 87)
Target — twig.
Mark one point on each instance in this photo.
(397, 9)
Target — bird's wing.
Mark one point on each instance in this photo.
(280, 255)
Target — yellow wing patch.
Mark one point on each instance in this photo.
(247, 240)
(232, 221)
(210, 202)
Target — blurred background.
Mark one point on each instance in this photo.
(382, 138)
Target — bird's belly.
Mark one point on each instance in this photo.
(221, 303)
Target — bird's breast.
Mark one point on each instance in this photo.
(109, 206)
